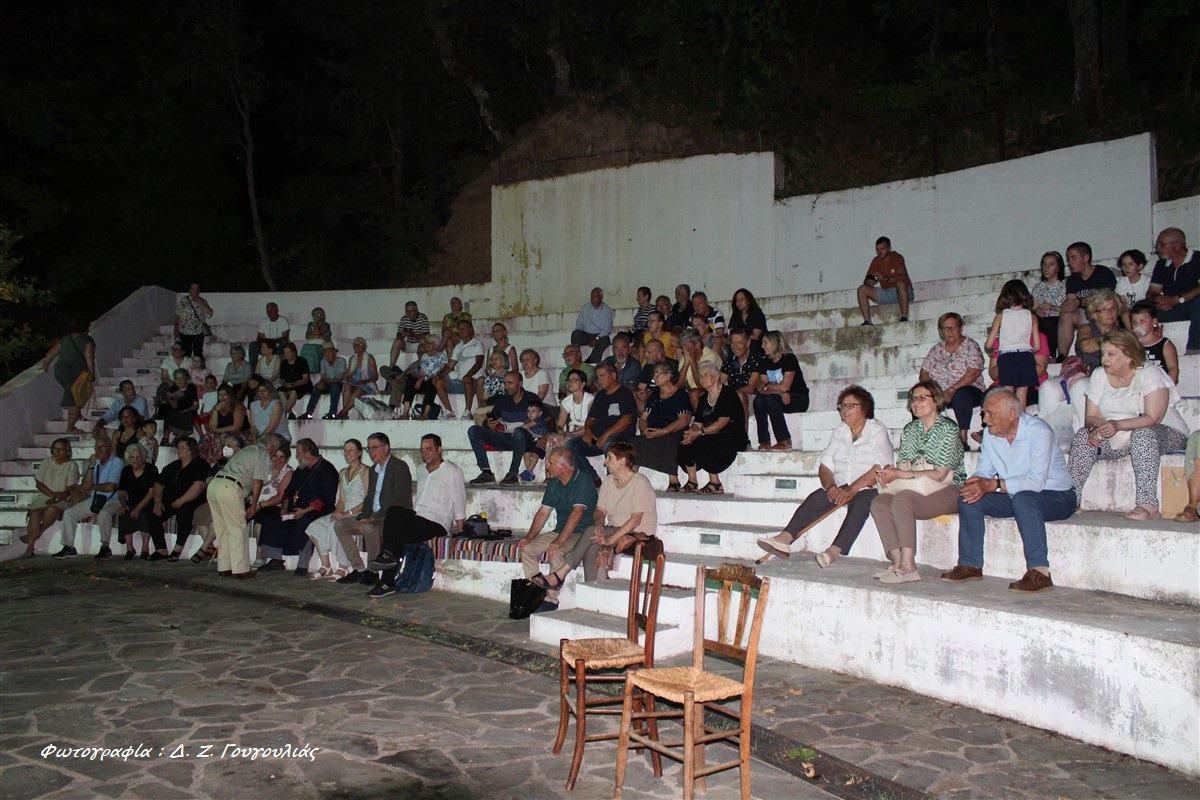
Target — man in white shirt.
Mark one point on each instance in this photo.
(275, 328)
(440, 508)
(459, 373)
(593, 326)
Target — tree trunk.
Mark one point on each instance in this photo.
(1085, 31)
(562, 67)
(483, 99)
(1114, 17)
(395, 132)
(241, 100)
(997, 45)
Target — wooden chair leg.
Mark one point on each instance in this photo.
(580, 722)
(652, 724)
(563, 706)
(690, 748)
(744, 751)
(623, 740)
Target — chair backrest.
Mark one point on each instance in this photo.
(645, 587)
(736, 640)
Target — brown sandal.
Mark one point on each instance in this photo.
(688, 487)
(1188, 515)
(712, 487)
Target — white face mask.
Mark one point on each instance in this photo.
(1140, 331)
(227, 451)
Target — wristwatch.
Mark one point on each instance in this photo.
(1180, 300)
(998, 489)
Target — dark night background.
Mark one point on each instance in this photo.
(126, 126)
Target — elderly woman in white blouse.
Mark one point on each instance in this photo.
(1131, 412)
(856, 450)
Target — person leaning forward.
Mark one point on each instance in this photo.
(389, 483)
(1022, 475)
(243, 475)
(571, 495)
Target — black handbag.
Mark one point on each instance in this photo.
(524, 598)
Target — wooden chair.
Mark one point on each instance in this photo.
(596, 661)
(698, 691)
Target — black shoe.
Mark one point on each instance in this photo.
(105, 553)
(300, 572)
(904, 319)
(350, 577)
(66, 552)
(156, 556)
(487, 476)
(866, 322)
(272, 565)
(384, 560)
(545, 607)
(510, 480)
(382, 590)
(129, 554)
(369, 578)
(306, 415)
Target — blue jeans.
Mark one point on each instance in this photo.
(1030, 509)
(334, 390)
(518, 441)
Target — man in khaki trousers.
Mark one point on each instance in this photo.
(243, 476)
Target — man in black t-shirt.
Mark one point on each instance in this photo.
(611, 419)
(1084, 279)
(1175, 284)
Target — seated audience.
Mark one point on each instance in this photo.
(450, 322)
(679, 317)
(389, 484)
(179, 407)
(1159, 349)
(274, 327)
(656, 331)
(593, 326)
(856, 451)
(534, 379)
(96, 497)
(294, 379)
(1049, 294)
(310, 496)
(420, 377)
(573, 359)
(625, 514)
(716, 434)
(227, 416)
(502, 346)
(503, 430)
(461, 371)
(126, 396)
(629, 369)
(179, 490)
(668, 412)
(266, 416)
(1132, 285)
(645, 306)
(537, 427)
(268, 368)
(1021, 475)
(491, 388)
(742, 368)
(208, 401)
(694, 353)
(54, 479)
(135, 491)
(748, 317)
(1104, 309)
(1131, 411)
(269, 507)
(440, 509)
(362, 377)
(573, 410)
(714, 318)
(127, 433)
(316, 333)
(1175, 284)
(654, 355)
(166, 376)
(923, 484)
(352, 491)
(955, 364)
(571, 496)
(411, 331)
(331, 376)
(237, 372)
(1084, 278)
(782, 391)
(891, 273)
(611, 418)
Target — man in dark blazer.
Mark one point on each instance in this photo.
(389, 483)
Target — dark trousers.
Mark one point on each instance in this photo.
(817, 503)
(964, 400)
(771, 408)
(599, 344)
(334, 390)
(1188, 312)
(183, 522)
(402, 527)
(1049, 328)
(193, 344)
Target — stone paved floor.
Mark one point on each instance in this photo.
(172, 653)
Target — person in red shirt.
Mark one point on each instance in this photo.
(890, 273)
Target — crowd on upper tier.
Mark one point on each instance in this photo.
(678, 387)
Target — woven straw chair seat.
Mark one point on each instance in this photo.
(603, 653)
(671, 683)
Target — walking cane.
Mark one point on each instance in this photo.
(803, 531)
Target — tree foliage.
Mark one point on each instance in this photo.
(18, 342)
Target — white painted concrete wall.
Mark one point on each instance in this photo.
(1183, 214)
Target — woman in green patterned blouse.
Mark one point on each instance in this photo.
(931, 453)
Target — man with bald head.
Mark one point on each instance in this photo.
(1175, 284)
(1021, 475)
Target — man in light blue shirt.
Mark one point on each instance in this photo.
(593, 326)
(126, 396)
(100, 500)
(1021, 474)
(333, 375)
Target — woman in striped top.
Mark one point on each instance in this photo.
(930, 448)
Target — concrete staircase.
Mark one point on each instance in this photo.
(1109, 657)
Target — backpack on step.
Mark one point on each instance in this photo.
(417, 573)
